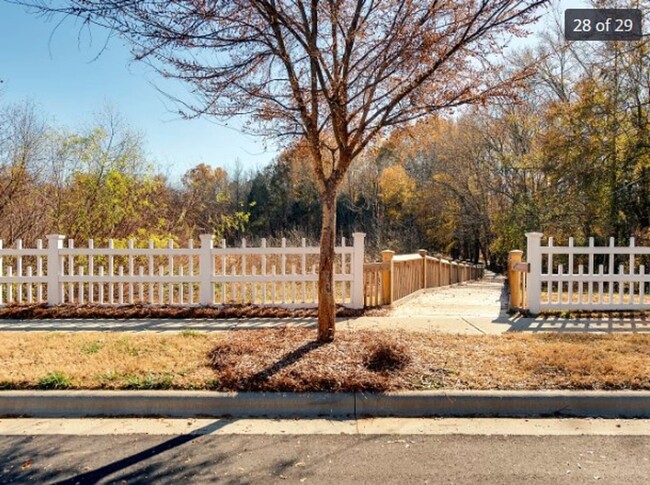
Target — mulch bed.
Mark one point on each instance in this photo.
(41, 311)
(290, 360)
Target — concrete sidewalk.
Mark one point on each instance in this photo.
(474, 308)
(324, 426)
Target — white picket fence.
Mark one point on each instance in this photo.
(207, 275)
(574, 277)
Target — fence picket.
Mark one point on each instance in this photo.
(283, 269)
(30, 298)
(242, 285)
(223, 272)
(181, 287)
(631, 286)
(19, 266)
(254, 286)
(264, 273)
(111, 272)
(101, 286)
(161, 297)
(80, 287)
(190, 246)
(151, 272)
(642, 284)
(131, 273)
(91, 272)
(303, 268)
(10, 287)
(140, 285)
(170, 264)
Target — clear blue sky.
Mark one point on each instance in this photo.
(59, 71)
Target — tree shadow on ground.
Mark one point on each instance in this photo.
(118, 466)
(601, 324)
(259, 380)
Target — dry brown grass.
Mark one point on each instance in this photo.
(288, 359)
(96, 360)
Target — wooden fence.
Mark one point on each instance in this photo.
(574, 277)
(277, 276)
(396, 277)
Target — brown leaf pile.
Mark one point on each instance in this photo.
(289, 359)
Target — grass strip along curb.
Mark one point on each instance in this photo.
(288, 360)
(194, 404)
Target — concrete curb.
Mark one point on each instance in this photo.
(513, 404)
(173, 404)
(186, 404)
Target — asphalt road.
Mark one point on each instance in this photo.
(323, 459)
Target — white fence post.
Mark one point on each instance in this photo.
(54, 245)
(206, 270)
(534, 258)
(357, 270)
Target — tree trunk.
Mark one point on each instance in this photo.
(326, 303)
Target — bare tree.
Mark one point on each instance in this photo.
(22, 145)
(334, 72)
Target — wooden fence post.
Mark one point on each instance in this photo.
(437, 272)
(357, 270)
(54, 245)
(423, 253)
(514, 278)
(387, 277)
(534, 257)
(206, 270)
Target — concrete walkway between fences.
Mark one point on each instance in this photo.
(474, 308)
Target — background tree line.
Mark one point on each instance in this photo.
(569, 155)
